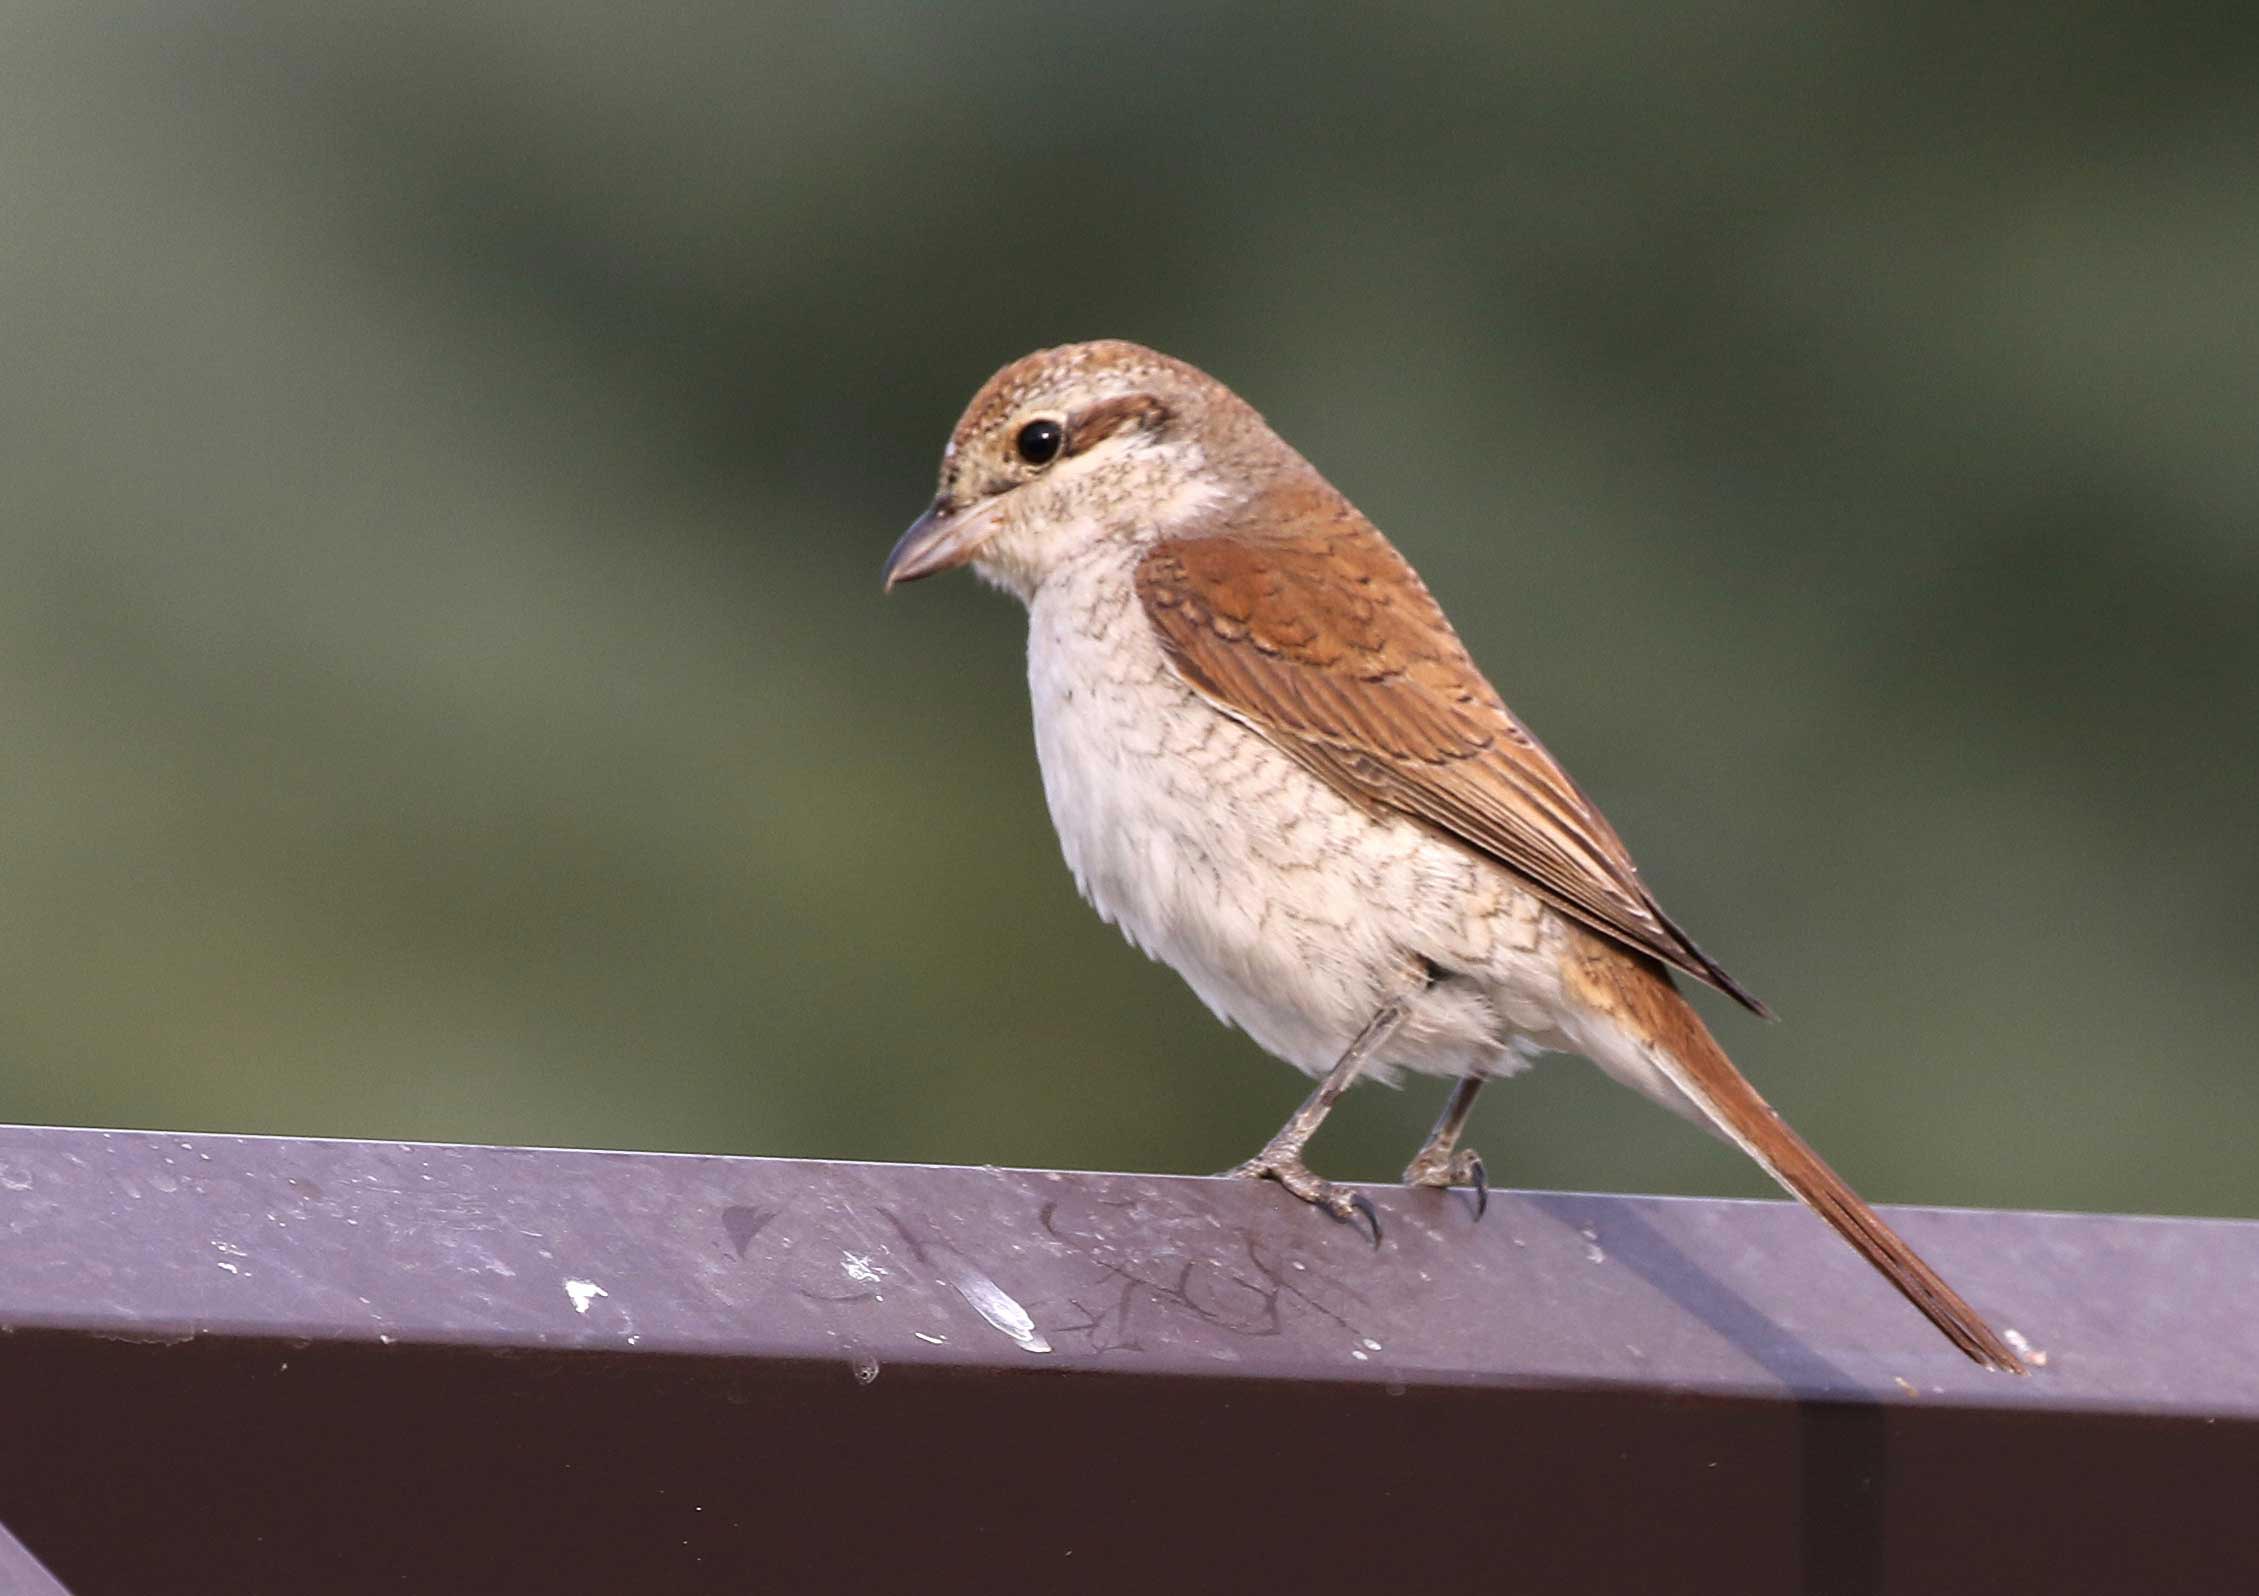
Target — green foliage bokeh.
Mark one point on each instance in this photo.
(448, 451)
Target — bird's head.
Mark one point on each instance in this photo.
(1070, 447)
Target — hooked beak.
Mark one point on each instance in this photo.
(940, 540)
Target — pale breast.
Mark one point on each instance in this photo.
(1290, 911)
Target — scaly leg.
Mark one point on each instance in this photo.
(1281, 1157)
(1436, 1164)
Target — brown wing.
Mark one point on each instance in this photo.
(1295, 616)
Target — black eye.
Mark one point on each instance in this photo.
(1039, 442)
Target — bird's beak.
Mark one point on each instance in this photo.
(940, 540)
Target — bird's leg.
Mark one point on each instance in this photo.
(1436, 1164)
(1281, 1157)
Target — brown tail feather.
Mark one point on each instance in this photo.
(1638, 993)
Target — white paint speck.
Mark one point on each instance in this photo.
(1371, 1345)
(14, 1179)
(233, 1269)
(1359, 1354)
(858, 1266)
(931, 1341)
(990, 1301)
(584, 1292)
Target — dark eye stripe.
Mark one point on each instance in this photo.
(1096, 423)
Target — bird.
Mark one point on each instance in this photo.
(1272, 763)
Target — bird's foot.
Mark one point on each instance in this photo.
(1288, 1169)
(1446, 1170)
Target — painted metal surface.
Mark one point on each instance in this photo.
(22, 1574)
(246, 1365)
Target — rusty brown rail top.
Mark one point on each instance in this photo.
(242, 1365)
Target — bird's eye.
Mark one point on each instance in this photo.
(1039, 442)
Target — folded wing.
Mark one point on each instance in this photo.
(1295, 616)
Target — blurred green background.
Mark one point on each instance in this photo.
(446, 453)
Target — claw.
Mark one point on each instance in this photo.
(1443, 1172)
(1362, 1204)
(1289, 1171)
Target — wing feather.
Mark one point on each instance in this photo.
(1297, 617)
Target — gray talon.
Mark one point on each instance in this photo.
(1463, 1168)
(1359, 1203)
(1350, 1207)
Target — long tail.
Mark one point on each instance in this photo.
(1636, 993)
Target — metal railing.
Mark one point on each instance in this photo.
(246, 1365)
